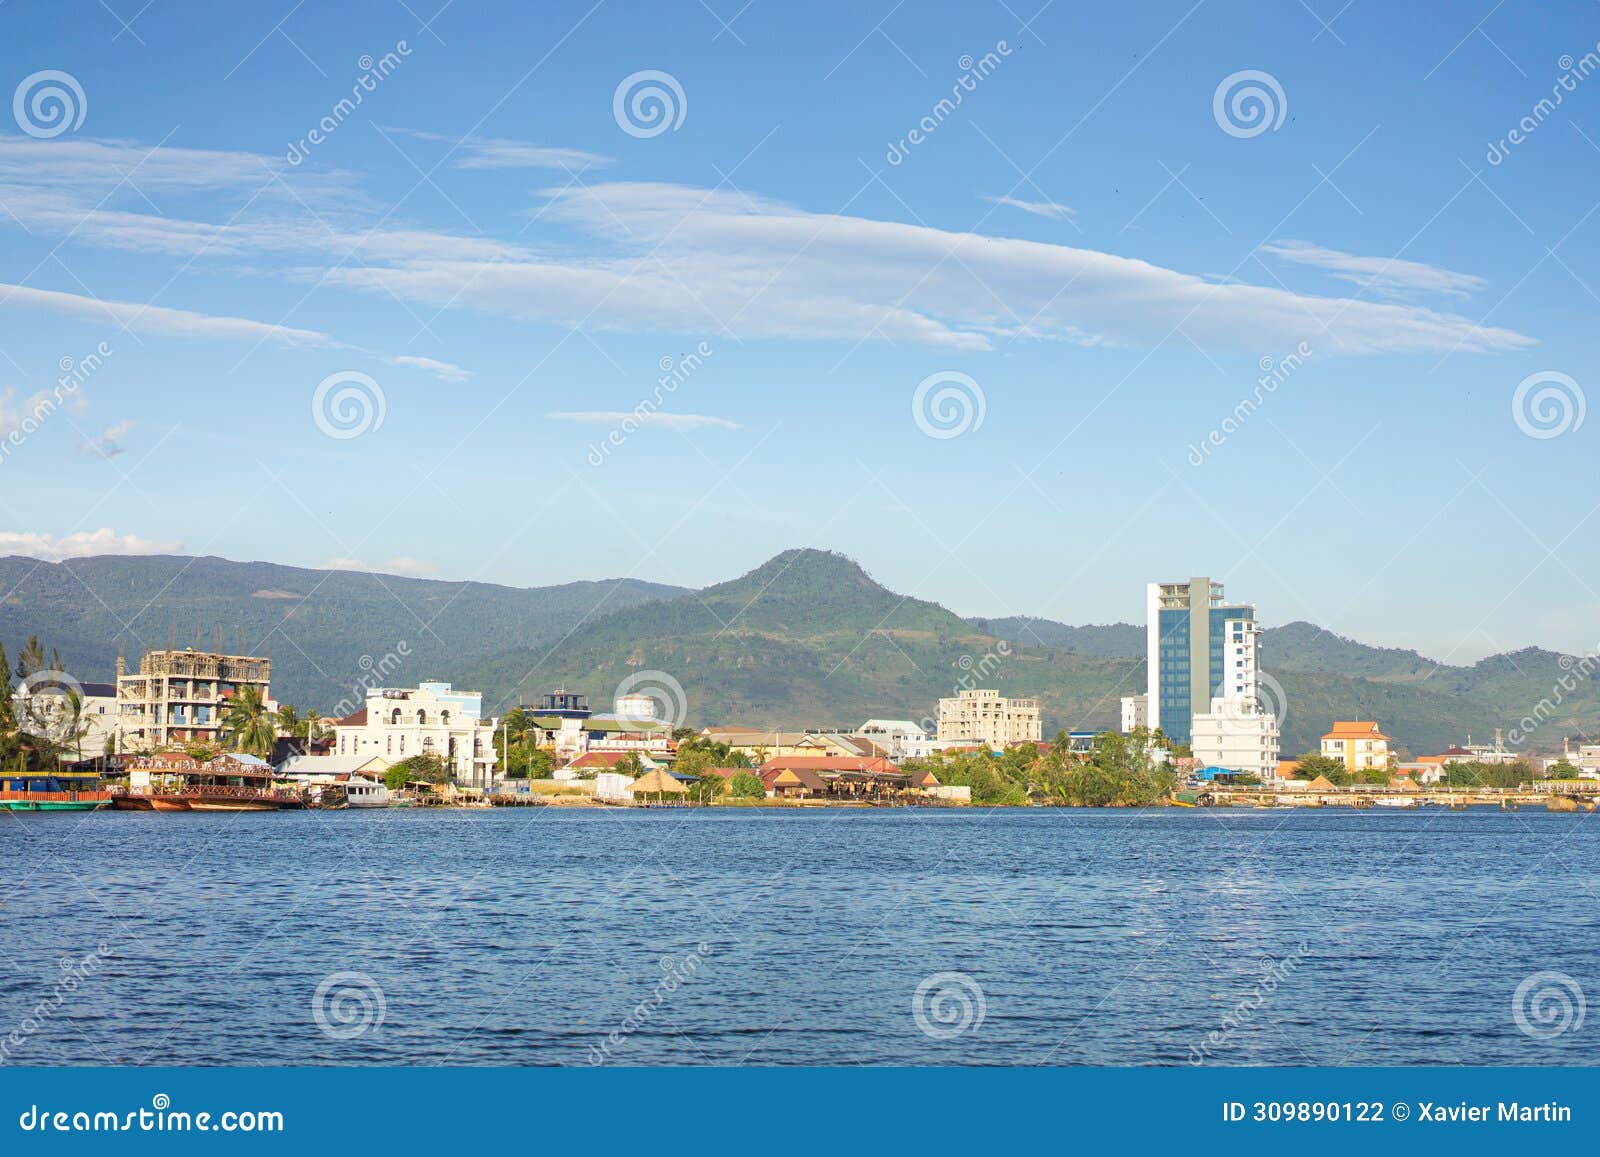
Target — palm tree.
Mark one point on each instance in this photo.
(289, 719)
(249, 723)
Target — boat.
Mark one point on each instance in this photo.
(176, 782)
(52, 791)
(1394, 801)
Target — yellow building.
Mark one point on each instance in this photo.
(1359, 745)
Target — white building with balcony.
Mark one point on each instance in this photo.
(1237, 735)
(432, 719)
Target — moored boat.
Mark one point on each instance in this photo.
(52, 791)
(172, 782)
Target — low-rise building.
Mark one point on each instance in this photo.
(430, 719)
(95, 726)
(1359, 745)
(1135, 712)
(985, 716)
(899, 738)
(1236, 735)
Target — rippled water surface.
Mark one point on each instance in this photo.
(522, 937)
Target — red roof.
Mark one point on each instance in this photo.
(828, 763)
(354, 719)
(600, 758)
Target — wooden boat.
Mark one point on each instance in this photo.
(52, 791)
(173, 782)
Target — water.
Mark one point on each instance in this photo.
(535, 937)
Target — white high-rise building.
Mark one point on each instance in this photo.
(1199, 647)
(1237, 735)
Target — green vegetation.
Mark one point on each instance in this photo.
(417, 769)
(1561, 769)
(1314, 763)
(745, 785)
(1117, 772)
(248, 724)
(1504, 776)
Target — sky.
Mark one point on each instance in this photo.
(1021, 305)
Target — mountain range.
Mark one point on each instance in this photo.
(808, 638)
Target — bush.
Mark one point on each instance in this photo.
(746, 786)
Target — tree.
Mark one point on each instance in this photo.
(249, 723)
(8, 715)
(417, 769)
(1314, 763)
(745, 785)
(1561, 769)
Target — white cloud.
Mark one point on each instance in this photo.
(1037, 208)
(671, 258)
(653, 418)
(1384, 274)
(83, 544)
(763, 269)
(497, 153)
(109, 444)
(402, 565)
(444, 371)
(154, 319)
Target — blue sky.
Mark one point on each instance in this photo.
(1104, 253)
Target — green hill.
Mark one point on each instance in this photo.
(806, 639)
(324, 630)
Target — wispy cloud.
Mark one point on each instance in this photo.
(499, 153)
(1388, 275)
(155, 319)
(109, 444)
(444, 371)
(760, 268)
(763, 269)
(1037, 208)
(653, 418)
(83, 544)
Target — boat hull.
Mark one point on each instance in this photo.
(231, 805)
(24, 805)
(168, 804)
